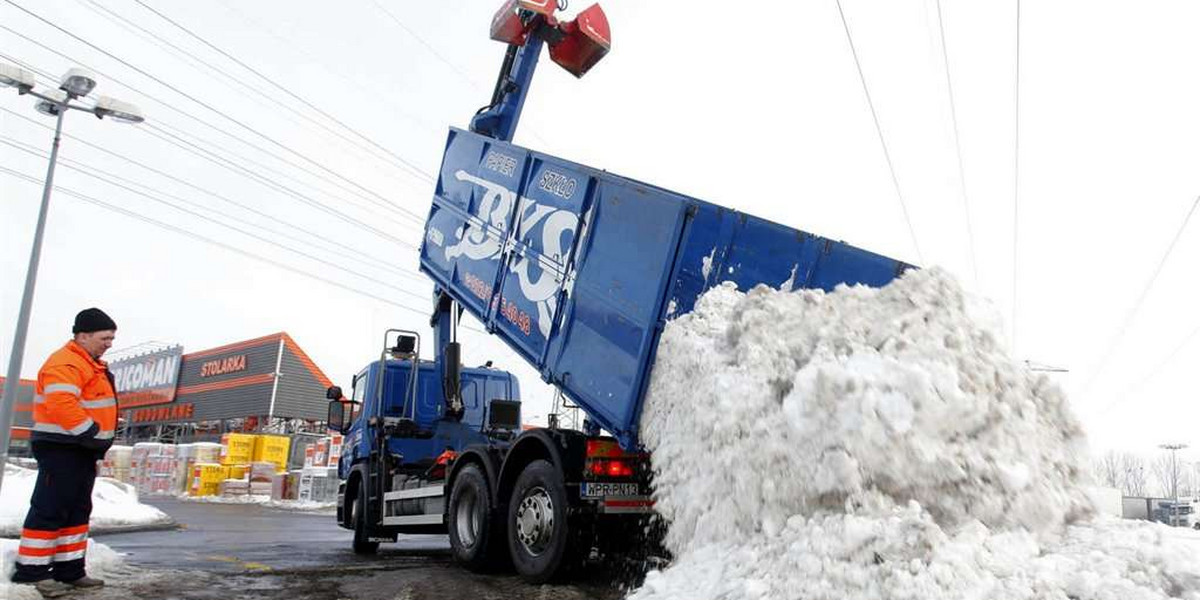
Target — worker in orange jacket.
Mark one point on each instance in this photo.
(74, 421)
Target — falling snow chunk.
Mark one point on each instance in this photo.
(878, 443)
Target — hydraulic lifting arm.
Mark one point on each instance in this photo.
(525, 25)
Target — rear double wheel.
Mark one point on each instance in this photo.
(538, 537)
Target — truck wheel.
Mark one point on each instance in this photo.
(537, 522)
(470, 519)
(358, 516)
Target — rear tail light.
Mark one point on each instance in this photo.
(610, 467)
(605, 458)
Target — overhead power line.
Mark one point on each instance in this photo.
(306, 236)
(193, 98)
(231, 248)
(1129, 391)
(279, 187)
(1141, 299)
(95, 174)
(370, 197)
(375, 94)
(879, 130)
(196, 236)
(199, 188)
(962, 174)
(413, 34)
(414, 169)
(194, 144)
(270, 102)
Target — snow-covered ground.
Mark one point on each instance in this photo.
(298, 505)
(879, 443)
(114, 504)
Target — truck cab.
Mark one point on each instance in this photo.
(403, 431)
(431, 434)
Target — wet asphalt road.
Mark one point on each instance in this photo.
(232, 552)
(236, 537)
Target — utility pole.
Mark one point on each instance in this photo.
(1173, 448)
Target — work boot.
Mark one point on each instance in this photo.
(53, 589)
(86, 582)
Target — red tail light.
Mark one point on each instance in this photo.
(610, 468)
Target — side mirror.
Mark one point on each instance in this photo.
(333, 393)
(336, 421)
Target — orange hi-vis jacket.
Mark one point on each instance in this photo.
(74, 392)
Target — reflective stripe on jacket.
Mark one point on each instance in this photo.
(74, 392)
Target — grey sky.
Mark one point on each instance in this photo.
(765, 115)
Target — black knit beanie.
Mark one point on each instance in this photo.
(92, 319)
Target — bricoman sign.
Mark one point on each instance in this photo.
(147, 379)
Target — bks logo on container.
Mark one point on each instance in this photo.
(537, 283)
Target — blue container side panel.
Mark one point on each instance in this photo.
(578, 269)
(501, 230)
(614, 305)
(552, 198)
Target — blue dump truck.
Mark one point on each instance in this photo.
(578, 271)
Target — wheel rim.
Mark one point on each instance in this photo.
(535, 520)
(467, 518)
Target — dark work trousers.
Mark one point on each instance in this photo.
(54, 539)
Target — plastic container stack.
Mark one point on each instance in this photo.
(272, 449)
(160, 476)
(207, 452)
(142, 464)
(207, 478)
(234, 487)
(318, 480)
(317, 485)
(261, 476)
(237, 448)
(116, 463)
(284, 486)
(243, 464)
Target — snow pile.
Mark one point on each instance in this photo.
(101, 561)
(115, 505)
(877, 443)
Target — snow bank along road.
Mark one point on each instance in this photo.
(115, 505)
(878, 443)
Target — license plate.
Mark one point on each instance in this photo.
(599, 490)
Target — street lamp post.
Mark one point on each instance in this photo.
(1174, 479)
(76, 84)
